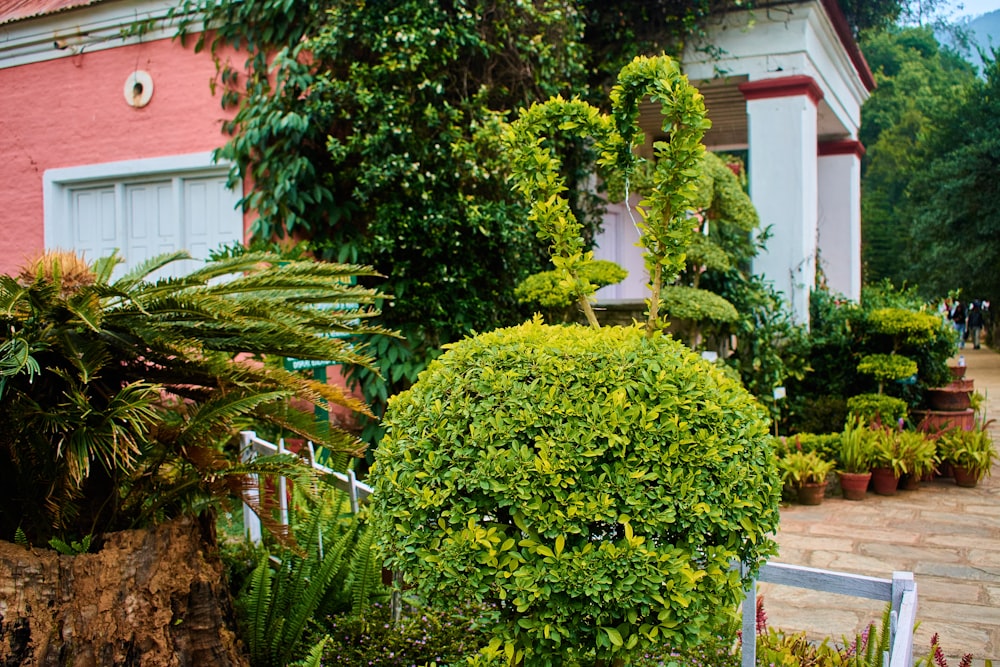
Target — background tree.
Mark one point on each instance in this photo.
(918, 84)
(956, 222)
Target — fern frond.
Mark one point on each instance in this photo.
(315, 655)
(315, 590)
(258, 603)
(365, 570)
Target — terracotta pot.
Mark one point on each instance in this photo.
(909, 483)
(811, 494)
(884, 481)
(945, 398)
(961, 385)
(946, 470)
(854, 484)
(935, 421)
(957, 372)
(965, 478)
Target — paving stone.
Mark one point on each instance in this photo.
(948, 536)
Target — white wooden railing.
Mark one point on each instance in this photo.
(252, 446)
(900, 592)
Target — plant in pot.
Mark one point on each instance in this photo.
(888, 464)
(806, 472)
(919, 452)
(855, 459)
(970, 453)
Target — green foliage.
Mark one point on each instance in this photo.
(954, 226)
(332, 570)
(918, 86)
(71, 548)
(665, 230)
(801, 468)
(887, 450)
(880, 408)
(423, 636)
(918, 451)
(908, 327)
(548, 290)
(884, 367)
(688, 303)
(973, 449)
(771, 348)
(846, 339)
(826, 445)
(119, 396)
(571, 475)
(856, 447)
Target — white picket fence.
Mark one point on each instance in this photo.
(900, 591)
(251, 446)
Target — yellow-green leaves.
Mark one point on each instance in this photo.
(596, 481)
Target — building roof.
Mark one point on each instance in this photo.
(18, 10)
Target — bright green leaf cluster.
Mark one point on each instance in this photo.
(689, 303)
(548, 290)
(886, 367)
(594, 484)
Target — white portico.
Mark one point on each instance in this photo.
(785, 83)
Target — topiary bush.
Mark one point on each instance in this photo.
(593, 484)
(876, 407)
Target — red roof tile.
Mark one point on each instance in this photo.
(17, 10)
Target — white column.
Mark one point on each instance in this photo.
(840, 216)
(783, 182)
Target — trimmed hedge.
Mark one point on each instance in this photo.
(593, 484)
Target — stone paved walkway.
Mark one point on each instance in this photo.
(949, 537)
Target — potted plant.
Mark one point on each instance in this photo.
(806, 473)
(970, 453)
(919, 454)
(888, 464)
(855, 459)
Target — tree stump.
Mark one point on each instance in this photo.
(154, 597)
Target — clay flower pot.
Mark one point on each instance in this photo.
(811, 494)
(854, 485)
(948, 398)
(957, 372)
(884, 481)
(963, 477)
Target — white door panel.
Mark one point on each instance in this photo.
(143, 208)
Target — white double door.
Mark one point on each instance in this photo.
(143, 214)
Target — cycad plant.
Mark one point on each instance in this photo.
(119, 399)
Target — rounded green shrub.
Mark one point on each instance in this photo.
(690, 303)
(549, 289)
(594, 485)
(872, 407)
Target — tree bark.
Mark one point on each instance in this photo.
(155, 597)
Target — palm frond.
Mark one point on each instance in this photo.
(143, 270)
(216, 415)
(103, 267)
(12, 295)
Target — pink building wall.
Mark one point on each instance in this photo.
(71, 111)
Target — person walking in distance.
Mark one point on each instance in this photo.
(958, 317)
(975, 322)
